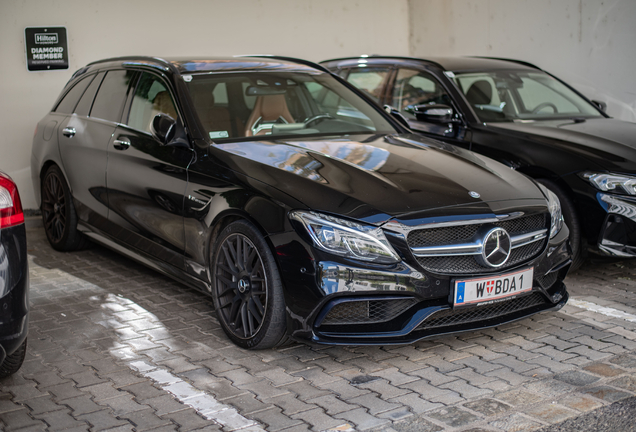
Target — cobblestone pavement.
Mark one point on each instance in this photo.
(116, 346)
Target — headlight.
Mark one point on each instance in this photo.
(347, 238)
(556, 217)
(612, 182)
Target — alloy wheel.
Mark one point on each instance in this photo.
(241, 286)
(54, 207)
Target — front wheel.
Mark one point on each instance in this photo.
(571, 220)
(247, 289)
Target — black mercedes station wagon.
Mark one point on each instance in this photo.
(304, 210)
(525, 118)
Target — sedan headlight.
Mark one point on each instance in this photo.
(556, 217)
(347, 238)
(612, 182)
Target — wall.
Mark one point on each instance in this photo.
(590, 44)
(311, 29)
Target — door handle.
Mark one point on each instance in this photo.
(121, 144)
(68, 132)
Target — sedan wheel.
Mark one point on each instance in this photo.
(247, 289)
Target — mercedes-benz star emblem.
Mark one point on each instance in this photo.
(496, 247)
(243, 285)
(474, 194)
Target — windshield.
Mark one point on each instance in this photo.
(238, 105)
(517, 96)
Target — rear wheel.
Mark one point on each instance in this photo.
(13, 362)
(571, 220)
(247, 289)
(58, 213)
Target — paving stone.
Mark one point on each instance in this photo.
(626, 361)
(415, 403)
(275, 420)
(432, 376)
(515, 423)
(59, 420)
(362, 420)
(608, 394)
(519, 397)
(626, 382)
(487, 407)
(332, 405)
(577, 378)
(418, 425)
(99, 391)
(373, 403)
(603, 369)
(384, 389)
(20, 419)
(549, 387)
(434, 394)
(248, 403)
(453, 416)
(394, 376)
(165, 404)
(305, 391)
(343, 389)
(101, 420)
(145, 419)
(263, 389)
(550, 413)
(82, 405)
(580, 403)
(291, 404)
(37, 405)
(465, 390)
(123, 404)
(189, 420)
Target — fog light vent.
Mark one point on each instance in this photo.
(367, 311)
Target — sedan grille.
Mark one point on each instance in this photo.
(449, 263)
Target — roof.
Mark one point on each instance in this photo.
(454, 64)
(187, 65)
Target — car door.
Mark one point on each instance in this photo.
(147, 179)
(84, 138)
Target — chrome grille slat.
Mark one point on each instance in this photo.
(452, 250)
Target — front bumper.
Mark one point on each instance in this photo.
(14, 285)
(618, 232)
(402, 304)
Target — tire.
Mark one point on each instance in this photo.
(13, 362)
(246, 288)
(571, 220)
(58, 213)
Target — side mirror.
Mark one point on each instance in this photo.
(434, 113)
(600, 105)
(397, 116)
(163, 128)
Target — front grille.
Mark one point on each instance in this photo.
(464, 264)
(367, 311)
(451, 317)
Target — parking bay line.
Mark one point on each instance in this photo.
(603, 310)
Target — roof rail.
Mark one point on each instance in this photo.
(292, 59)
(521, 62)
(161, 63)
(371, 56)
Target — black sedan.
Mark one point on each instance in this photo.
(527, 119)
(14, 279)
(305, 211)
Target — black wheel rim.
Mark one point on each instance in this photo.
(241, 286)
(54, 207)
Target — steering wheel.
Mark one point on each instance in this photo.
(317, 117)
(545, 105)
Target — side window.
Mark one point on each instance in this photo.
(534, 93)
(369, 80)
(151, 98)
(414, 87)
(111, 95)
(68, 103)
(85, 103)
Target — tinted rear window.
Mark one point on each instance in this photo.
(111, 95)
(68, 103)
(85, 103)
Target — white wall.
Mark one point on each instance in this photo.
(591, 44)
(311, 29)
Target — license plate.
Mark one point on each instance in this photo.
(486, 289)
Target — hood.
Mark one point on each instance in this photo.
(607, 143)
(376, 178)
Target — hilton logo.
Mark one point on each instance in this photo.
(46, 38)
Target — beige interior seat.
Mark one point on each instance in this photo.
(268, 110)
